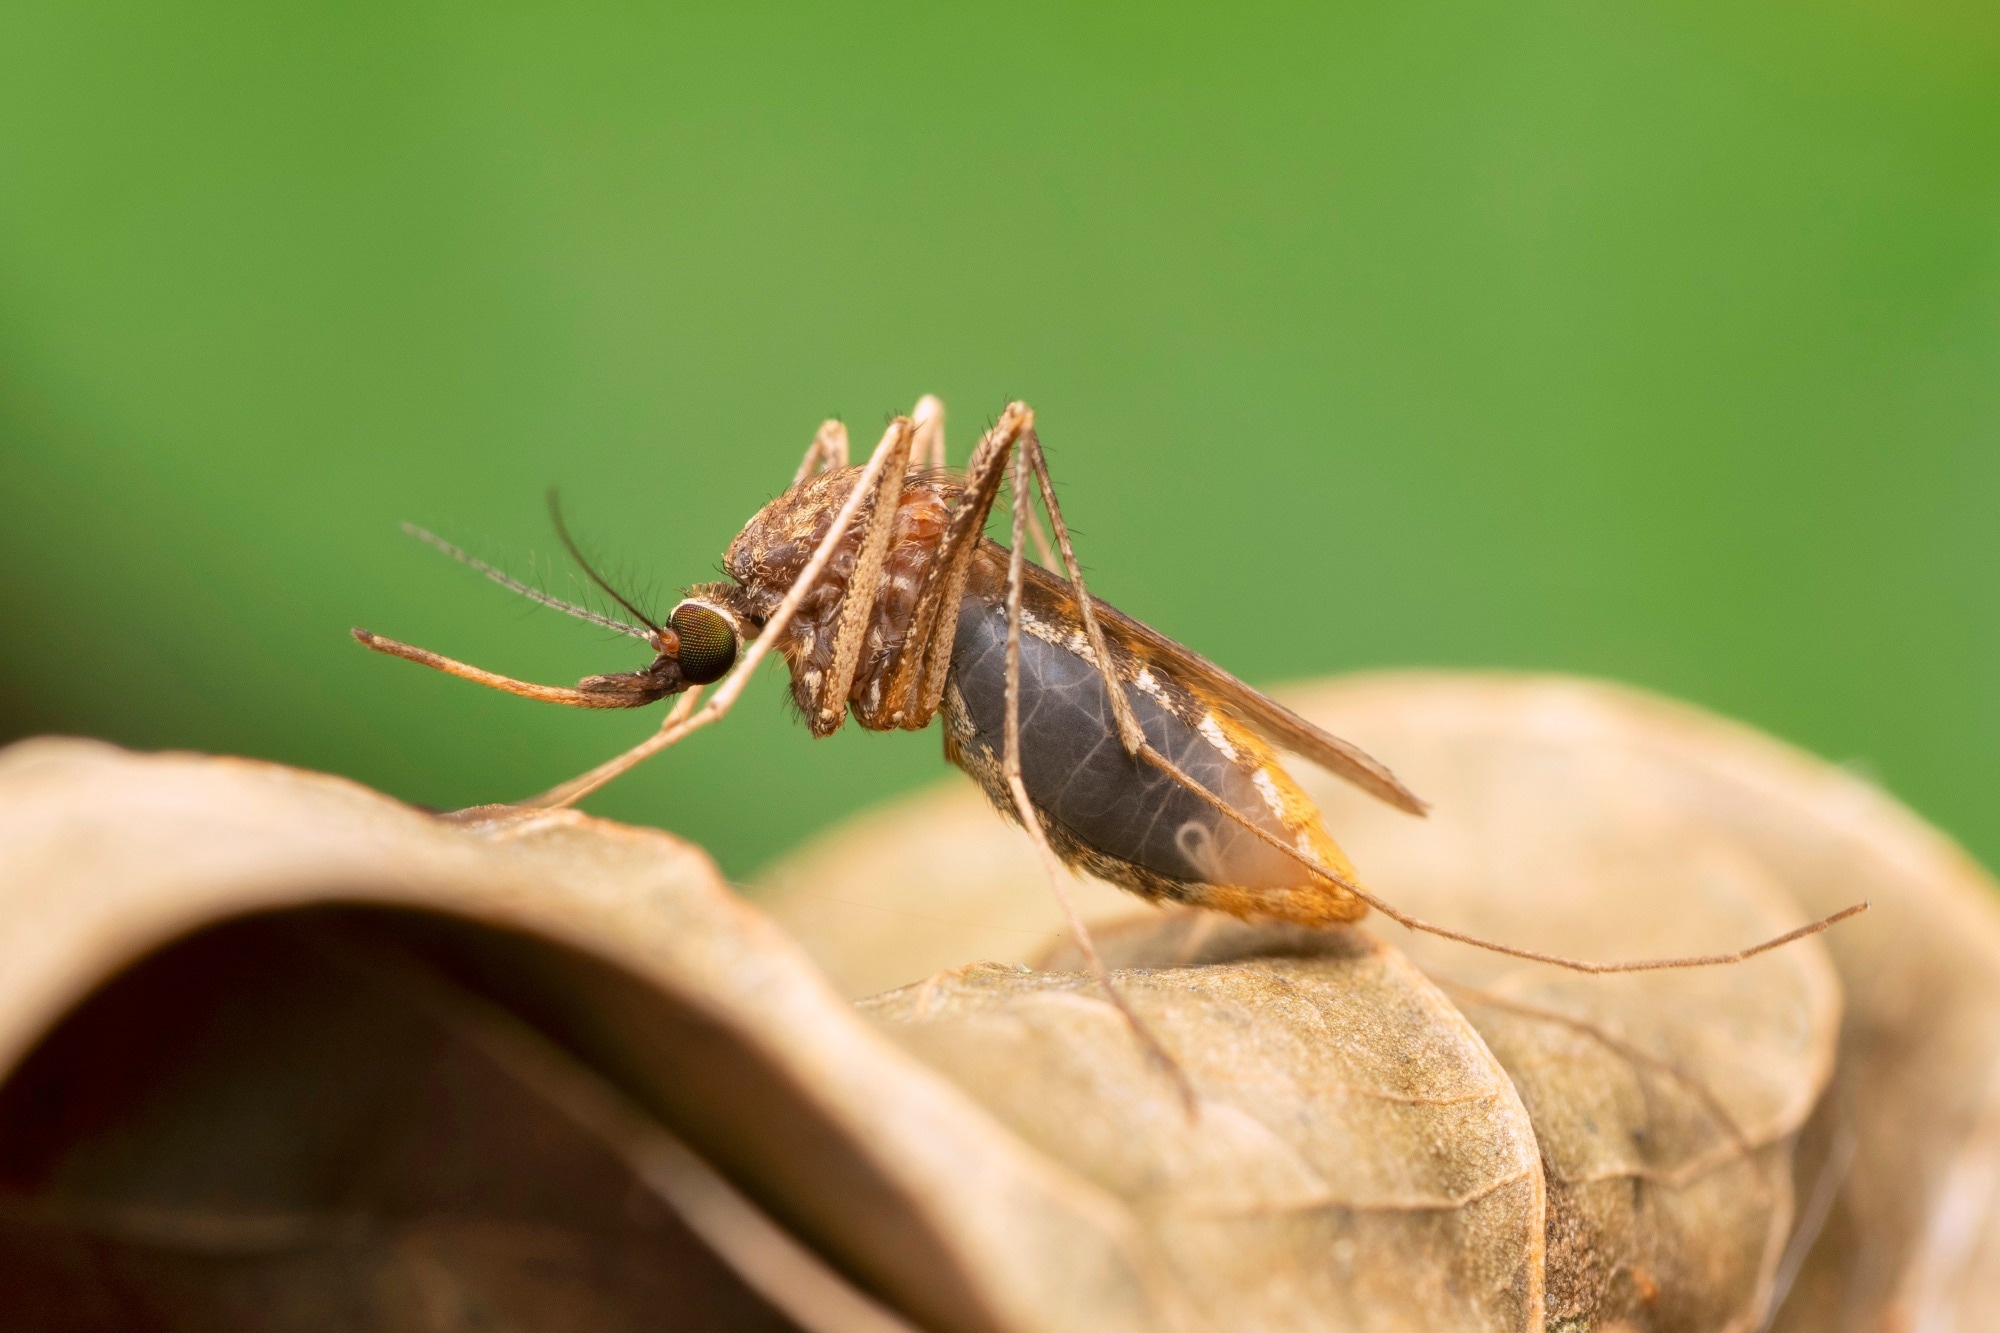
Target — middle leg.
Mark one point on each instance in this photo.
(1030, 816)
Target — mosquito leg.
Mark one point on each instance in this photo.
(672, 728)
(1130, 734)
(1038, 534)
(1031, 819)
(828, 450)
(928, 452)
(732, 685)
(1134, 739)
(1199, 933)
(916, 687)
(1035, 529)
(1416, 923)
(683, 706)
(851, 629)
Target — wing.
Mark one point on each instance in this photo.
(1266, 716)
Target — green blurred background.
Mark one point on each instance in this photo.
(1659, 342)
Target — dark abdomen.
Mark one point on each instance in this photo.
(1119, 817)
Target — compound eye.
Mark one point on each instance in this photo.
(708, 642)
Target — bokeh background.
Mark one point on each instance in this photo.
(1654, 341)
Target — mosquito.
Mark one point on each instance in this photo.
(1122, 753)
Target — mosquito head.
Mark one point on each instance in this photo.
(697, 645)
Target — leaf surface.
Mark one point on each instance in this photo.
(282, 1052)
(1673, 1109)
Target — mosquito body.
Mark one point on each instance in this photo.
(1103, 810)
(1118, 750)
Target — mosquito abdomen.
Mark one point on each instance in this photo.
(1117, 817)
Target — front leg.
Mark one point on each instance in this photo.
(679, 724)
(850, 631)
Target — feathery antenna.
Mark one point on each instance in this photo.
(569, 544)
(531, 592)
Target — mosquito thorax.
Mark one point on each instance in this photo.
(775, 546)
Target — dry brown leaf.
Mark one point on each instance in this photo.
(279, 1052)
(1666, 1101)
(1906, 1151)
(282, 1101)
(1359, 1160)
(919, 885)
(1666, 1207)
(1597, 821)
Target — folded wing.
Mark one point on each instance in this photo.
(1266, 716)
